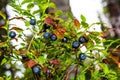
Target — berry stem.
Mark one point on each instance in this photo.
(76, 72)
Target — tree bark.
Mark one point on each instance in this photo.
(114, 15)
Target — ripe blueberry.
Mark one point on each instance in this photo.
(65, 39)
(82, 56)
(36, 69)
(82, 39)
(32, 21)
(53, 37)
(12, 34)
(46, 35)
(75, 44)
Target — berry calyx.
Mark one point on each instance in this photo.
(82, 39)
(24, 57)
(75, 44)
(32, 21)
(36, 69)
(53, 37)
(82, 56)
(12, 34)
(65, 39)
(46, 26)
(46, 35)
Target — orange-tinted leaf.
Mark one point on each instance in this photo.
(23, 52)
(72, 34)
(59, 33)
(76, 24)
(103, 34)
(115, 59)
(31, 63)
(114, 52)
(58, 26)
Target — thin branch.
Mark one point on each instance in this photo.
(76, 72)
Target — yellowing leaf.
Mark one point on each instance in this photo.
(3, 15)
(60, 33)
(76, 24)
(1, 78)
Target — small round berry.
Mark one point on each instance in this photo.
(32, 21)
(53, 37)
(75, 44)
(46, 35)
(36, 69)
(82, 56)
(46, 26)
(82, 39)
(12, 34)
(65, 39)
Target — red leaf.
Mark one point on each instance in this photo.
(46, 70)
(55, 62)
(49, 21)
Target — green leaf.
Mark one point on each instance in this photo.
(27, 23)
(84, 24)
(83, 18)
(18, 8)
(36, 11)
(25, 1)
(70, 15)
(105, 69)
(82, 77)
(27, 13)
(58, 13)
(41, 59)
(3, 61)
(30, 6)
(23, 44)
(52, 5)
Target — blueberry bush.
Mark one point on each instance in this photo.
(58, 49)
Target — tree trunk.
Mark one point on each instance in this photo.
(114, 15)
